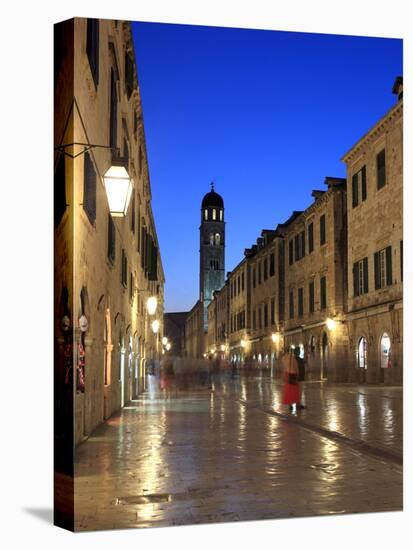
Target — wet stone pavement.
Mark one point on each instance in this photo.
(234, 453)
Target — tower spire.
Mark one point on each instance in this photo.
(212, 186)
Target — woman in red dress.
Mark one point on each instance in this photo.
(291, 390)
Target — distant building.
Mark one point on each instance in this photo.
(174, 330)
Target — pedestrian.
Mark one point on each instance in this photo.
(291, 389)
(301, 374)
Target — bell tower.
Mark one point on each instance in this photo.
(212, 249)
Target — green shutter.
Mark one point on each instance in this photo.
(363, 184)
(377, 281)
(389, 275)
(355, 190)
(366, 275)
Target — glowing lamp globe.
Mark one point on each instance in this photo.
(164, 340)
(168, 346)
(155, 326)
(151, 305)
(119, 188)
(331, 324)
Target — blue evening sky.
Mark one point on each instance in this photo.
(265, 114)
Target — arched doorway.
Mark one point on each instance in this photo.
(385, 354)
(324, 357)
(362, 353)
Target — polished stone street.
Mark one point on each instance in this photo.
(233, 452)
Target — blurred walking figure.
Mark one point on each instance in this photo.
(301, 374)
(167, 373)
(291, 390)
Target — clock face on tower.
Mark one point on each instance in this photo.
(212, 248)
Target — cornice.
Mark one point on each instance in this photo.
(382, 124)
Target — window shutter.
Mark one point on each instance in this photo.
(366, 275)
(355, 191)
(59, 190)
(363, 184)
(89, 189)
(355, 279)
(303, 244)
(113, 111)
(389, 275)
(377, 270)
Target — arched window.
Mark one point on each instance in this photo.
(362, 353)
(211, 238)
(205, 214)
(217, 239)
(220, 215)
(214, 214)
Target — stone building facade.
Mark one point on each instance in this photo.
(195, 336)
(238, 312)
(265, 298)
(106, 267)
(315, 283)
(375, 249)
(174, 330)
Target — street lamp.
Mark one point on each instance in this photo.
(168, 346)
(119, 186)
(243, 343)
(275, 337)
(152, 304)
(164, 340)
(331, 324)
(155, 326)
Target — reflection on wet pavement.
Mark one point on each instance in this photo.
(203, 455)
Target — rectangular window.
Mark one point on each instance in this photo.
(128, 74)
(272, 264)
(254, 320)
(360, 277)
(265, 315)
(311, 297)
(310, 238)
(323, 293)
(296, 248)
(381, 169)
(259, 318)
(291, 304)
(239, 284)
(290, 252)
(322, 229)
(359, 187)
(259, 273)
(254, 282)
(383, 268)
(92, 48)
(113, 127)
(124, 269)
(89, 189)
(265, 269)
(242, 282)
(111, 239)
(273, 312)
(300, 302)
(302, 244)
